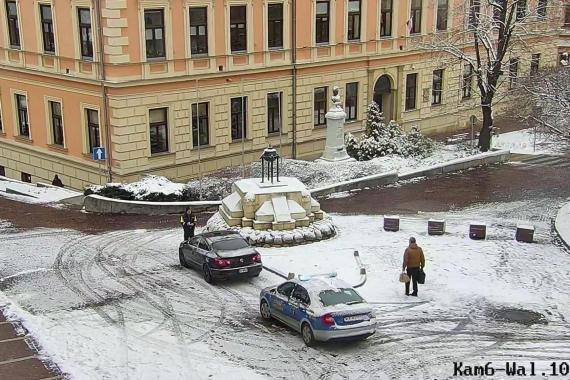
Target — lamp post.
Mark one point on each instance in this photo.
(472, 120)
(268, 157)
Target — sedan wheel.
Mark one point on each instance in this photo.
(307, 334)
(207, 274)
(264, 310)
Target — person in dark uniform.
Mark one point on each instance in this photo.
(188, 222)
(56, 181)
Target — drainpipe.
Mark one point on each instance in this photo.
(102, 78)
(294, 81)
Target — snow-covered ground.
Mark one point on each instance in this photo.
(31, 193)
(525, 142)
(118, 305)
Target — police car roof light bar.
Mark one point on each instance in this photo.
(304, 277)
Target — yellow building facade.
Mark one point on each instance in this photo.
(183, 87)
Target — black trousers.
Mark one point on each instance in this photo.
(413, 273)
(188, 232)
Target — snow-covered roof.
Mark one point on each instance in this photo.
(316, 285)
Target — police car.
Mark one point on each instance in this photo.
(320, 307)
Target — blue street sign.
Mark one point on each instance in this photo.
(99, 153)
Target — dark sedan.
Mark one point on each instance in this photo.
(220, 255)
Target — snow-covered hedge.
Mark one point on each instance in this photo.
(154, 188)
(381, 139)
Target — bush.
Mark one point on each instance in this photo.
(381, 139)
(116, 192)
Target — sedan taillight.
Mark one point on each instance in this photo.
(221, 263)
(256, 258)
(327, 320)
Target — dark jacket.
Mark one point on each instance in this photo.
(187, 220)
(413, 257)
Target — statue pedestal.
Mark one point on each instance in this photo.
(335, 150)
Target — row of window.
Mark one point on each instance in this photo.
(466, 83)
(500, 10)
(154, 23)
(47, 29)
(158, 119)
(56, 122)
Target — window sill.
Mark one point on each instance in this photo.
(353, 42)
(23, 139)
(320, 126)
(239, 52)
(16, 48)
(162, 155)
(87, 59)
(276, 134)
(49, 53)
(57, 148)
(352, 121)
(437, 105)
(411, 110)
(322, 44)
(238, 141)
(199, 56)
(155, 60)
(276, 49)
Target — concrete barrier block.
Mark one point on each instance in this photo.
(477, 231)
(391, 223)
(525, 234)
(436, 227)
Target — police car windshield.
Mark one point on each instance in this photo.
(229, 244)
(345, 296)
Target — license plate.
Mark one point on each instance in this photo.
(356, 318)
(242, 270)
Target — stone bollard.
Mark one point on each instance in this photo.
(524, 233)
(436, 227)
(477, 231)
(391, 223)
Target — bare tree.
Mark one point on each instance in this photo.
(487, 37)
(543, 101)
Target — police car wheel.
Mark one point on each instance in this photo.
(307, 334)
(264, 310)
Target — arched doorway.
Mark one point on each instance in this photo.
(383, 96)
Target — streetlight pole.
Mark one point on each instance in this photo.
(242, 130)
(198, 137)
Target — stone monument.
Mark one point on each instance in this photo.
(335, 149)
(272, 210)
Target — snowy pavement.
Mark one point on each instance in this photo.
(30, 193)
(118, 305)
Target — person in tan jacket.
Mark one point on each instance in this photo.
(414, 261)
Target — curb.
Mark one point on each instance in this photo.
(563, 219)
(100, 204)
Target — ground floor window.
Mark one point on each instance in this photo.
(200, 124)
(274, 112)
(25, 177)
(238, 107)
(351, 102)
(320, 105)
(2, 171)
(56, 123)
(93, 129)
(158, 128)
(411, 81)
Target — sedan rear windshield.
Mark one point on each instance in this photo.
(345, 296)
(229, 244)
